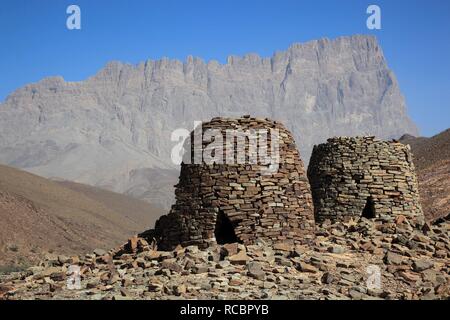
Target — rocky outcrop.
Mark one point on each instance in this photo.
(114, 128)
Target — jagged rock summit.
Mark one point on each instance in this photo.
(113, 130)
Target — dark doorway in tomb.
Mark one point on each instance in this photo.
(369, 209)
(224, 231)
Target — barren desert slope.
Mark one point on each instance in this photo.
(39, 215)
(432, 160)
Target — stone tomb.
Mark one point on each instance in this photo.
(243, 200)
(363, 176)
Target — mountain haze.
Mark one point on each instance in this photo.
(113, 129)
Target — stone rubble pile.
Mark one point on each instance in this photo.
(337, 264)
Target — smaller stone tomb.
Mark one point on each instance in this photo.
(363, 176)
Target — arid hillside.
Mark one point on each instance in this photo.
(38, 215)
(432, 160)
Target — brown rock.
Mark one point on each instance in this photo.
(400, 219)
(132, 244)
(305, 267)
(240, 258)
(282, 246)
(230, 249)
(172, 265)
(179, 289)
(409, 276)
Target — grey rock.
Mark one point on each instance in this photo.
(223, 264)
(422, 264)
(348, 277)
(282, 261)
(172, 265)
(255, 270)
(100, 252)
(355, 294)
(327, 278)
(393, 258)
(336, 249)
(200, 269)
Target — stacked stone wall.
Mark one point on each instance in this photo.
(363, 176)
(271, 202)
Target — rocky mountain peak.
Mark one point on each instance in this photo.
(105, 130)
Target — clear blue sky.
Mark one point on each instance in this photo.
(35, 43)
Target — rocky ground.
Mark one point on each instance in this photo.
(339, 264)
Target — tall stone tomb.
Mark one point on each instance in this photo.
(243, 181)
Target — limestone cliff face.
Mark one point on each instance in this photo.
(113, 129)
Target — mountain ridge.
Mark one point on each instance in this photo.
(196, 59)
(116, 124)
